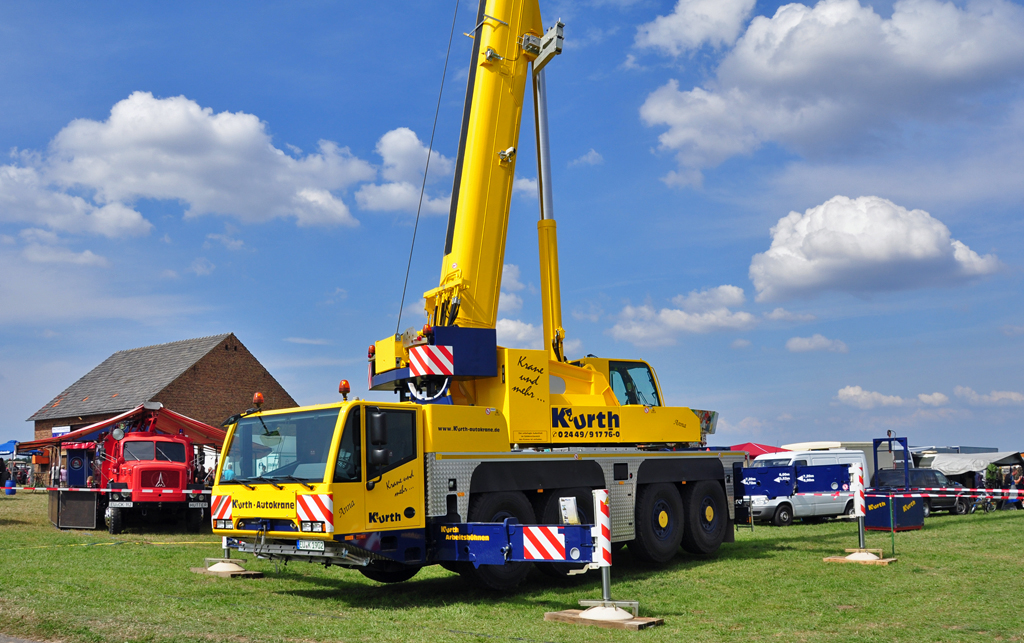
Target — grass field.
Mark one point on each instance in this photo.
(957, 580)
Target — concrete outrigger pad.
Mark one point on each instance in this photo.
(862, 557)
(226, 568)
(633, 624)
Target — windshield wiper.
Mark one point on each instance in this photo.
(238, 481)
(294, 479)
(269, 481)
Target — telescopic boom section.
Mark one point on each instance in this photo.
(504, 45)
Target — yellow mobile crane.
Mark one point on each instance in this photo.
(480, 433)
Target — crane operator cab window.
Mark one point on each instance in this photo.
(633, 383)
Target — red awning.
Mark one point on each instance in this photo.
(755, 449)
(166, 421)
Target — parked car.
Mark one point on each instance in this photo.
(923, 479)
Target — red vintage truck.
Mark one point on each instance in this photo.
(145, 465)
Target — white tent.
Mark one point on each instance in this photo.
(953, 464)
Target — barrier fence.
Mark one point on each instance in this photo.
(193, 492)
(946, 492)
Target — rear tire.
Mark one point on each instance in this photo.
(659, 523)
(960, 508)
(707, 517)
(388, 572)
(551, 514)
(783, 516)
(496, 507)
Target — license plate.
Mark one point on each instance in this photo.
(311, 545)
(198, 505)
(120, 504)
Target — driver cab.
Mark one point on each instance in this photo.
(633, 382)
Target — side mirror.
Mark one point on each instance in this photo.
(380, 457)
(378, 428)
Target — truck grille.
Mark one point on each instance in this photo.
(157, 479)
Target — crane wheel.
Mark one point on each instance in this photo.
(551, 514)
(707, 517)
(389, 572)
(496, 507)
(659, 523)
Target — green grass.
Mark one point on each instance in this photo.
(958, 580)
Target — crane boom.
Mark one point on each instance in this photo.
(485, 169)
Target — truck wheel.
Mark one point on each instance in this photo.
(783, 516)
(707, 517)
(388, 572)
(115, 520)
(552, 515)
(496, 507)
(659, 523)
(194, 519)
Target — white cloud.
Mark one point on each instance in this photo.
(50, 254)
(310, 342)
(509, 302)
(740, 343)
(833, 76)
(698, 312)
(694, 23)
(992, 399)
(173, 149)
(856, 396)
(781, 314)
(526, 188)
(816, 342)
(593, 313)
(229, 242)
(405, 157)
(933, 399)
(1011, 331)
(517, 334)
(862, 245)
(202, 266)
(590, 158)
(26, 196)
(510, 275)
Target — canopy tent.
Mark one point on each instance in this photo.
(163, 421)
(953, 464)
(755, 449)
(7, 448)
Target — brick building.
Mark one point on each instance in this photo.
(208, 379)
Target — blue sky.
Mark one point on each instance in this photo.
(806, 217)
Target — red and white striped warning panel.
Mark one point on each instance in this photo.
(603, 528)
(220, 508)
(543, 543)
(316, 507)
(431, 360)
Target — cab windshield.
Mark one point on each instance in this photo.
(633, 383)
(287, 447)
(149, 450)
(777, 462)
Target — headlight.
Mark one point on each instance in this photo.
(224, 524)
(305, 525)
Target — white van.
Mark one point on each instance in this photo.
(783, 509)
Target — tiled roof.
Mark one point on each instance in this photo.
(128, 378)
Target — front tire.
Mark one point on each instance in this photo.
(707, 517)
(960, 508)
(783, 516)
(927, 506)
(496, 507)
(115, 520)
(388, 572)
(659, 523)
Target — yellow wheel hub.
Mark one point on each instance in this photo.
(663, 519)
(709, 514)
